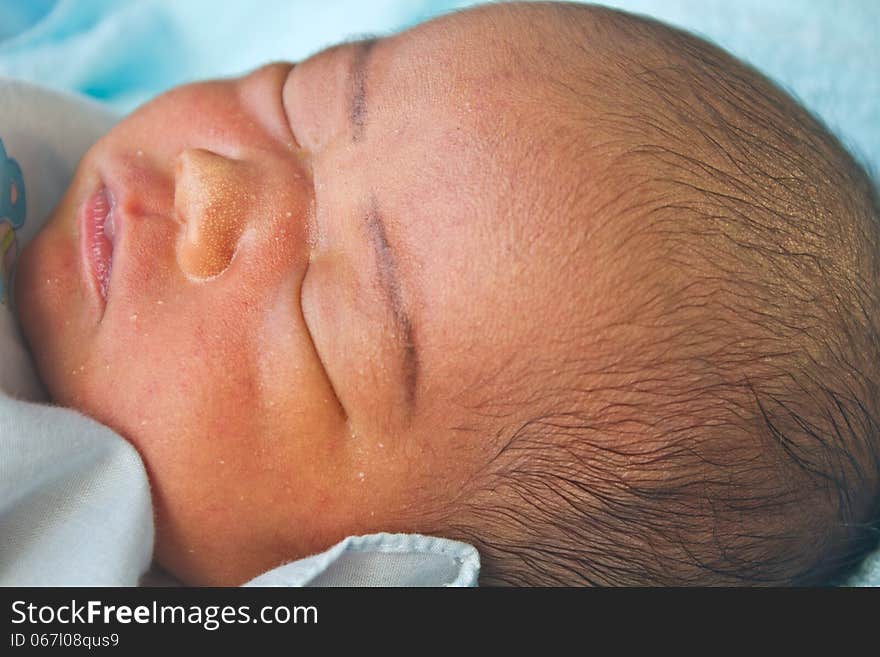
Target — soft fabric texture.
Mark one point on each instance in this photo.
(382, 560)
(74, 501)
(868, 574)
(123, 53)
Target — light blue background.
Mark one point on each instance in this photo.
(824, 51)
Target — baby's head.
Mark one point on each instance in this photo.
(568, 284)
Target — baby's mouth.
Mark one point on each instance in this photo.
(97, 234)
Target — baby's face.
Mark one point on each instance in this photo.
(313, 297)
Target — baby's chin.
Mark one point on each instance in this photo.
(207, 536)
(190, 570)
(203, 556)
(222, 564)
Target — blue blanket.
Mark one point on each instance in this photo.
(123, 53)
(826, 53)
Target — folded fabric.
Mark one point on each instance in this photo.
(868, 574)
(74, 501)
(382, 560)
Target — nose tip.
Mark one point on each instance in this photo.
(209, 199)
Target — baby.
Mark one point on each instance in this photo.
(568, 284)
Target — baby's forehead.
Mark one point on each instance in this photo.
(533, 33)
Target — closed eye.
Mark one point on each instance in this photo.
(314, 344)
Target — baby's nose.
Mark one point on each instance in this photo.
(211, 198)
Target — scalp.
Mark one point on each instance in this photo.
(693, 425)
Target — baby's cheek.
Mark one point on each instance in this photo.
(52, 312)
(174, 366)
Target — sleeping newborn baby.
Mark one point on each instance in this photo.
(567, 284)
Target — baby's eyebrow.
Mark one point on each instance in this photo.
(389, 283)
(357, 103)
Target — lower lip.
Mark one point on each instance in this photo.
(97, 234)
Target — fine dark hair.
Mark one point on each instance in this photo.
(734, 437)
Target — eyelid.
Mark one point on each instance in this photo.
(326, 371)
(312, 236)
(320, 106)
(297, 146)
